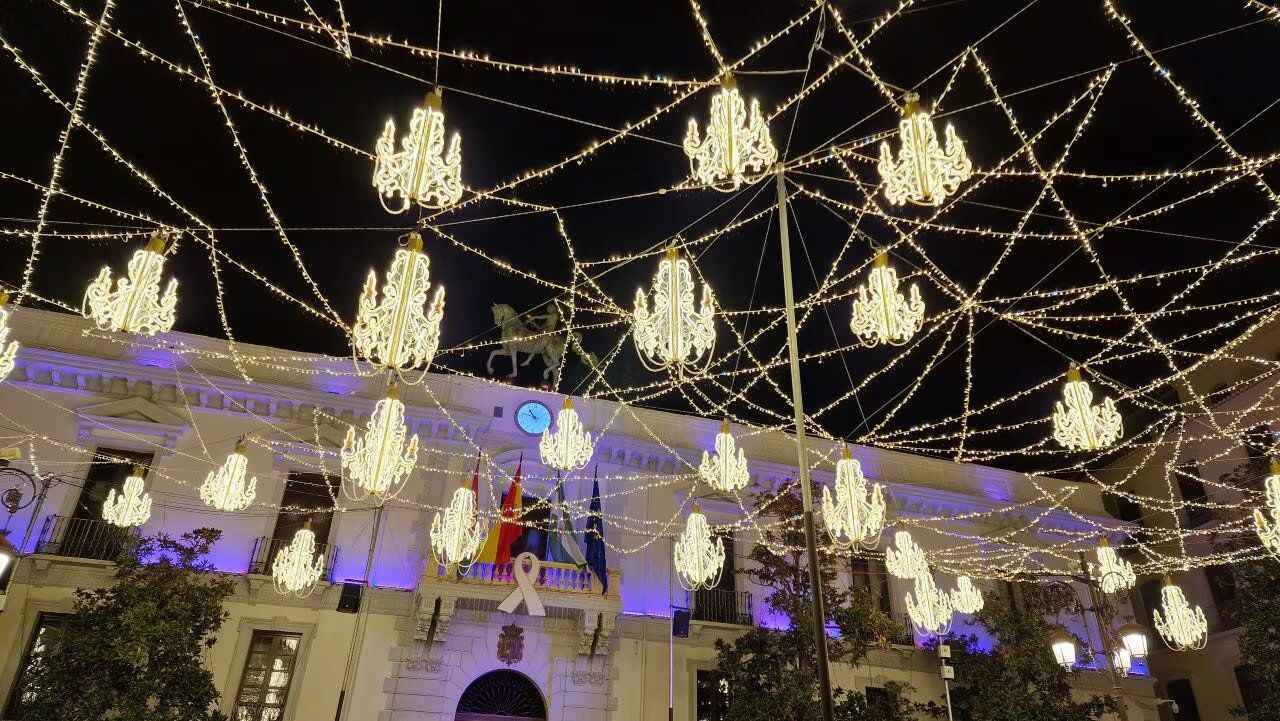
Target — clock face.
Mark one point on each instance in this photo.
(533, 417)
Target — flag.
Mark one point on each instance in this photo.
(497, 547)
(562, 546)
(595, 538)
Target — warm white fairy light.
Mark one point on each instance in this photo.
(966, 597)
(698, 557)
(402, 331)
(226, 489)
(456, 538)
(906, 560)
(924, 172)
(881, 314)
(1182, 626)
(132, 507)
(736, 142)
(8, 349)
(379, 462)
(929, 608)
(856, 516)
(569, 446)
(1113, 573)
(674, 334)
(423, 171)
(297, 567)
(136, 305)
(1267, 523)
(1081, 425)
(727, 469)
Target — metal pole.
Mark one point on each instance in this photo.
(1108, 660)
(946, 689)
(806, 493)
(357, 634)
(671, 637)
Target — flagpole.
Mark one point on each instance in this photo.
(806, 493)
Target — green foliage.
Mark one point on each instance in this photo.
(772, 674)
(1258, 607)
(134, 650)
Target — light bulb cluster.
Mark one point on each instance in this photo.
(1182, 626)
(456, 538)
(737, 147)
(136, 304)
(924, 172)
(698, 557)
(929, 608)
(226, 488)
(906, 559)
(132, 506)
(882, 314)
(569, 447)
(674, 333)
(966, 597)
(1078, 423)
(379, 462)
(726, 470)
(1113, 573)
(423, 171)
(296, 567)
(855, 518)
(402, 330)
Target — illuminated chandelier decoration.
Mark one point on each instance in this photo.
(727, 470)
(456, 539)
(883, 315)
(856, 516)
(735, 143)
(966, 597)
(1182, 626)
(1114, 574)
(924, 173)
(401, 331)
(699, 559)
(8, 350)
(929, 608)
(1080, 424)
(569, 447)
(136, 305)
(225, 489)
(379, 462)
(674, 334)
(1269, 528)
(132, 507)
(906, 560)
(423, 172)
(297, 567)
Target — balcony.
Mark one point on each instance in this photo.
(722, 606)
(266, 548)
(90, 538)
(553, 577)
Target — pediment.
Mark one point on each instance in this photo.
(134, 409)
(130, 420)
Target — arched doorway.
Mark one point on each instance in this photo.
(499, 696)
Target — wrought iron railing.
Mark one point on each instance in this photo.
(266, 548)
(722, 606)
(82, 538)
(552, 576)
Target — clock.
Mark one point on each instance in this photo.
(533, 417)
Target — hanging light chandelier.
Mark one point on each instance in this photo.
(225, 489)
(966, 597)
(1114, 574)
(881, 314)
(456, 539)
(297, 567)
(725, 471)
(8, 349)
(379, 462)
(132, 507)
(1182, 626)
(423, 172)
(924, 173)
(856, 516)
(402, 331)
(569, 447)
(1080, 424)
(736, 141)
(906, 560)
(929, 608)
(1268, 523)
(674, 334)
(699, 558)
(136, 305)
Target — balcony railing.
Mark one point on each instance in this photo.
(266, 548)
(722, 606)
(82, 538)
(562, 577)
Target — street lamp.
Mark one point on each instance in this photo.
(1064, 649)
(1134, 638)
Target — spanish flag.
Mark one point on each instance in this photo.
(497, 547)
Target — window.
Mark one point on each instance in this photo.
(713, 696)
(268, 672)
(1151, 597)
(870, 575)
(312, 494)
(1191, 487)
(1222, 585)
(722, 603)
(1180, 691)
(878, 702)
(108, 470)
(1252, 688)
(48, 629)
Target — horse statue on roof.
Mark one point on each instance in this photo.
(535, 335)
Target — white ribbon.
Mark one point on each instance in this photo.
(525, 590)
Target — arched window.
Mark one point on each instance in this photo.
(501, 693)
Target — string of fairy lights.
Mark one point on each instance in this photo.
(917, 182)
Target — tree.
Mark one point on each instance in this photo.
(1257, 605)
(771, 674)
(134, 650)
(1018, 679)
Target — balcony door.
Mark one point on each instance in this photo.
(308, 498)
(108, 470)
(720, 602)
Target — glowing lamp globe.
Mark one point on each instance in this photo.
(1063, 646)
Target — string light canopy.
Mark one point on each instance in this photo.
(8, 348)
(1267, 523)
(906, 559)
(136, 305)
(699, 558)
(924, 173)
(1081, 425)
(966, 597)
(1182, 626)
(674, 334)
(378, 462)
(423, 171)
(132, 507)
(929, 608)
(569, 446)
(456, 538)
(225, 488)
(856, 517)
(882, 314)
(1114, 574)
(297, 568)
(737, 142)
(726, 470)
(401, 331)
